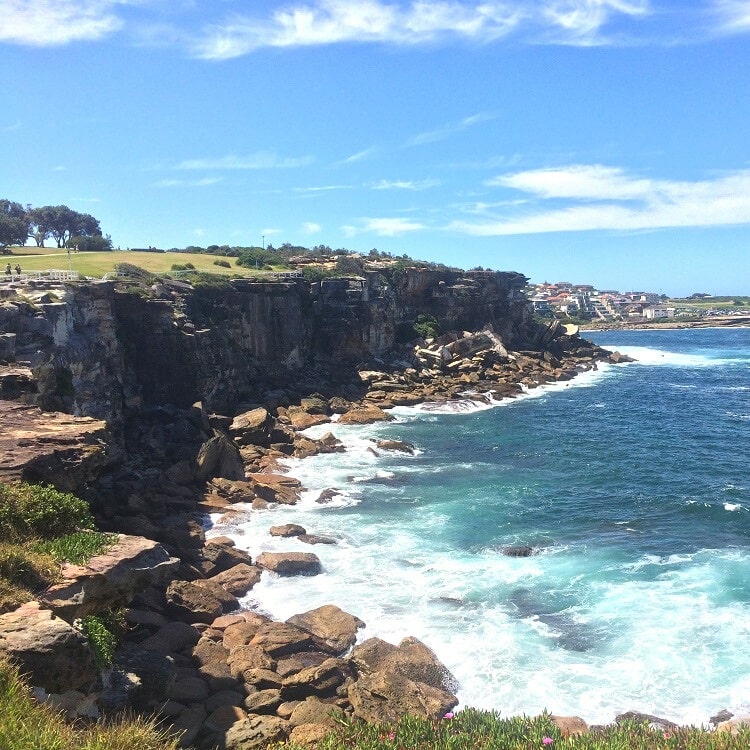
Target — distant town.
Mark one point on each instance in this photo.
(584, 302)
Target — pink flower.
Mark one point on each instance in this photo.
(547, 741)
(392, 736)
(667, 735)
(449, 715)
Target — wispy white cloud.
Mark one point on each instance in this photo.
(413, 22)
(405, 184)
(258, 160)
(733, 16)
(360, 155)
(596, 197)
(204, 182)
(14, 126)
(60, 168)
(449, 129)
(310, 227)
(320, 189)
(335, 21)
(42, 23)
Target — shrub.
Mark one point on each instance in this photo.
(29, 511)
(426, 326)
(78, 547)
(223, 263)
(105, 632)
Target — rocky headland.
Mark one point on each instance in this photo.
(160, 403)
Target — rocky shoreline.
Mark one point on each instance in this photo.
(152, 464)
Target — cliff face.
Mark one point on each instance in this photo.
(95, 349)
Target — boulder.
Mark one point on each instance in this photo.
(252, 427)
(570, 726)
(287, 530)
(193, 603)
(323, 680)
(109, 580)
(333, 630)
(314, 711)
(224, 556)
(187, 724)
(239, 579)
(53, 654)
(279, 639)
(316, 539)
(301, 419)
(411, 659)
(518, 550)
(276, 488)
(263, 701)
(256, 732)
(247, 658)
(155, 673)
(364, 415)
(172, 638)
(395, 445)
(385, 697)
(290, 563)
(219, 457)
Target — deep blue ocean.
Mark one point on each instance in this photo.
(632, 483)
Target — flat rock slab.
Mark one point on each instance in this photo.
(110, 579)
(51, 446)
(333, 630)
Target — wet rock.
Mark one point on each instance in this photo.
(287, 530)
(655, 722)
(400, 446)
(365, 415)
(519, 550)
(239, 579)
(290, 563)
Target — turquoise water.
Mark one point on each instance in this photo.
(632, 484)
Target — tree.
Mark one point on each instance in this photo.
(41, 223)
(14, 223)
(92, 243)
(66, 223)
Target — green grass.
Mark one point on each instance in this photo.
(28, 725)
(97, 264)
(483, 730)
(42, 528)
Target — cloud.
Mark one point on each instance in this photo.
(336, 21)
(443, 132)
(360, 155)
(733, 16)
(405, 184)
(310, 227)
(596, 197)
(258, 160)
(204, 182)
(324, 22)
(42, 23)
(388, 227)
(320, 189)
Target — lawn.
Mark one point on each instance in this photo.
(97, 264)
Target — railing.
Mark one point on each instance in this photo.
(51, 274)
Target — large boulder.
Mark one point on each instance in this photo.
(109, 580)
(53, 654)
(333, 630)
(252, 427)
(239, 579)
(290, 563)
(219, 457)
(384, 697)
(193, 603)
(255, 732)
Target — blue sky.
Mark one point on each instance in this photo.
(592, 141)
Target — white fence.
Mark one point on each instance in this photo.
(51, 274)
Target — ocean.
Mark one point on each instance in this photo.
(631, 483)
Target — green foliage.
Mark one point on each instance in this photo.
(23, 571)
(14, 223)
(135, 272)
(105, 631)
(316, 273)
(26, 724)
(223, 263)
(426, 326)
(78, 547)
(257, 257)
(483, 730)
(29, 511)
(92, 243)
(183, 267)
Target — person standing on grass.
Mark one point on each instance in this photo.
(18, 268)
(7, 270)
